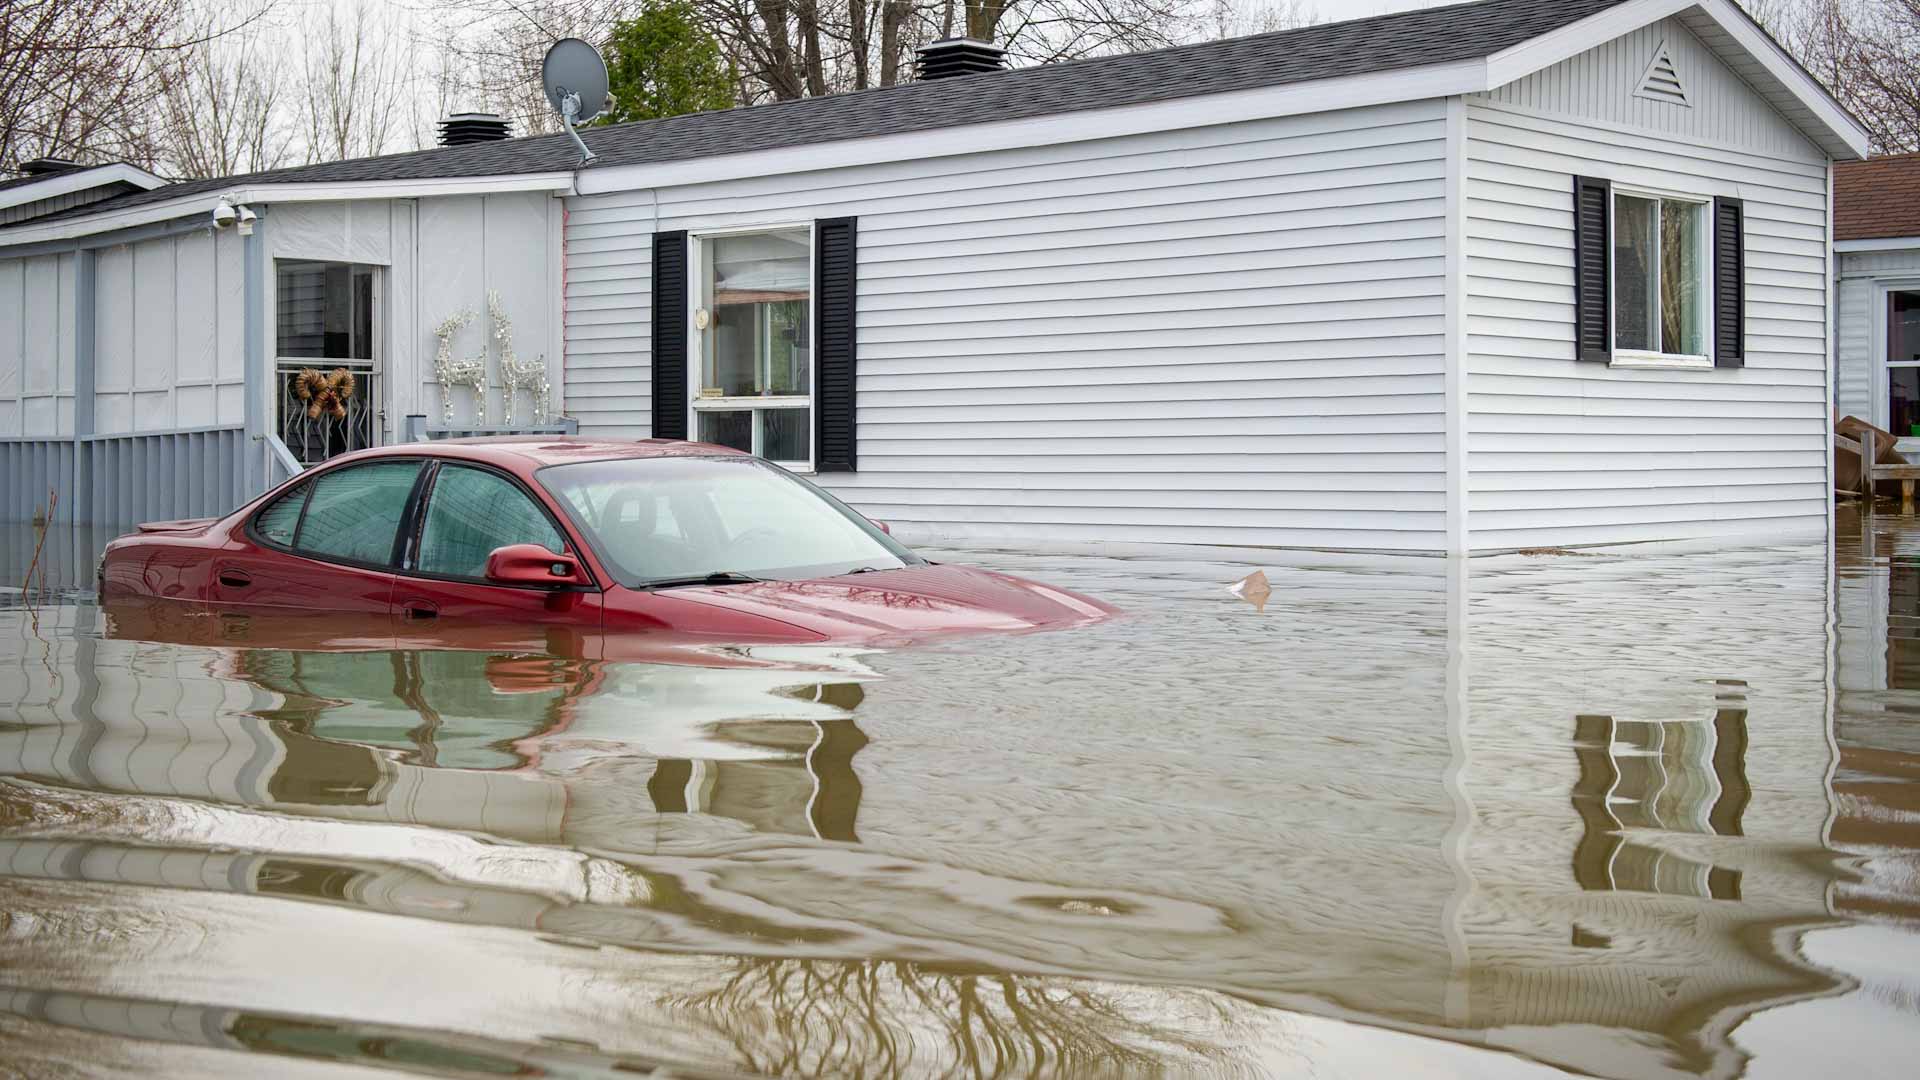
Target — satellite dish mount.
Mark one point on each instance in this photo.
(575, 79)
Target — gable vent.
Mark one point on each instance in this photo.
(1661, 82)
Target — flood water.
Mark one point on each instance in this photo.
(1625, 815)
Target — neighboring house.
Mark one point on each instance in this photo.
(1463, 279)
(1876, 233)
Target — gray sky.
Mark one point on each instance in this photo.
(1354, 9)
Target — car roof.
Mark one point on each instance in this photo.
(535, 451)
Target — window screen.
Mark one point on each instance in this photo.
(354, 513)
(470, 513)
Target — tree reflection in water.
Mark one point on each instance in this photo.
(802, 1017)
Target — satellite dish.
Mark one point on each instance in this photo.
(576, 83)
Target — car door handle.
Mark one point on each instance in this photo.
(235, 579)
(420, 609)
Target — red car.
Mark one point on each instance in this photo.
(674, 538)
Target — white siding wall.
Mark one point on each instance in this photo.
(442, 254)
(469, 244)
(167, 334)
(1566, 452)
(1229, 334)
(36, 346)
(1862, 315)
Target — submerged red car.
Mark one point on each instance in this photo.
(682, 539)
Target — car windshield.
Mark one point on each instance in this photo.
(680, 520)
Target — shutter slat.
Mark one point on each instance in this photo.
(835, 262)
(670, 335)
(1729, 283)
(1592, 275)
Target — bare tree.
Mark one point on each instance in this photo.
(222, 107)
(1866, 52)
(1238, 19)
(787, 49)
(78, 78)
(356, 87)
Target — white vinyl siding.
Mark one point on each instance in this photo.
(1229, 334)
(1597, 88)
(1564, 452)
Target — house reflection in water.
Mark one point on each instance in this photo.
(1677, 776)
(1569, 814)
(1876, 781)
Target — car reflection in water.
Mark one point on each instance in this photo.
(535, 738)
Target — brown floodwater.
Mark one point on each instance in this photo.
(1634, 814)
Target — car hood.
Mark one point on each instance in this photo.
(910, 603)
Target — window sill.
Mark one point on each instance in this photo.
(1661, 361)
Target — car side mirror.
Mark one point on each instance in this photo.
(532, 564)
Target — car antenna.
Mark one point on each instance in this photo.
(576, 83)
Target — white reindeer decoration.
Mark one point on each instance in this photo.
(451, 373)
(515, 373)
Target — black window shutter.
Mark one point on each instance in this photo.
(835, 259)
(1592, 277)
(670, 335)
(1729, 283)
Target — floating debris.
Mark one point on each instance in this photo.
(1253, 589)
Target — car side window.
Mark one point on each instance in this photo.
(354, 513)
(470, 513)
(278, 521)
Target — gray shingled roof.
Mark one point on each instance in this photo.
(1361, 46)
(23, 181)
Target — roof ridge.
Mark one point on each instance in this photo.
(1343, 25)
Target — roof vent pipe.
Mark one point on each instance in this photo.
(461, 129)
(958, 56)
(47, 166)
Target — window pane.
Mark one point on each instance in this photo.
(470, 513)
(324, 310)
(1903, 326)
(1903, 401)
(785, 434)
(355, 512)
(276, 523)
(732, 428)
(1683, 324)
(758, 293)
(1635, 245)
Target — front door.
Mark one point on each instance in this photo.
(470, 511)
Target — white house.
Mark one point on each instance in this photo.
(1464, 279)
(1876, 229)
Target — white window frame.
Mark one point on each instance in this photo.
(1642, 358)
(1883, 290)
(697, 341)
